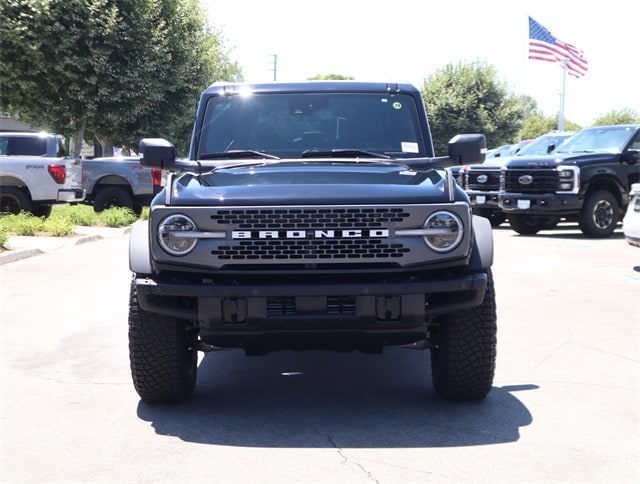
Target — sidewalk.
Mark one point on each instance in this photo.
(21, 247)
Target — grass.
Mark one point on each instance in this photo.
(63, 221)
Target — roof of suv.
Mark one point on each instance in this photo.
(312, 86)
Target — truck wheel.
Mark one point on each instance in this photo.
(14, 200)
(42, 210)
(600, 214)
(163, 355)
(112, 197)
(528, 224)
(463, 350)
(137, 209)
(496, 217)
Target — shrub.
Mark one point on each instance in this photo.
(23, 223)
(118, 217)
(77, 214)
(4, 236)
(59, 226)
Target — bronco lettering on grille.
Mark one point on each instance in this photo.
(309, 234)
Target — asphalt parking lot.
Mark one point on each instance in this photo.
(564, 407)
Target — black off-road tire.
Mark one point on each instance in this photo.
(531, 224)
(42, 210)
(14, 200)
(112, 196)
(496, 217)
(600, 214)
(463, 350)
(163, 355)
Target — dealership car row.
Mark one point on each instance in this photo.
(591, 177)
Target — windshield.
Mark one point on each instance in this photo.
(288, 125)
(544, 144)
(604, 140)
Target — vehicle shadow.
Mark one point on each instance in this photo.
(562, 231)
(325, 399)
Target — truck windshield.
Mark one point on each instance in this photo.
(603, 140)
(286, 125)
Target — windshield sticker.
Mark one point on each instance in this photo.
(409, 147)
(397, 105)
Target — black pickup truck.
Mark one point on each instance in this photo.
(586, 180)
(311, 216)
(482, 182)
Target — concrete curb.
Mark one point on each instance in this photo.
(20, 247)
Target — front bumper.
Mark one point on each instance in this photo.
(228, 315)
(483, 199)
(541, 204)
(71, 195)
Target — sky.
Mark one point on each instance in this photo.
(408, 40)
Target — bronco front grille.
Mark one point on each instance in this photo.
(330, 237)
(308, 218)
(310, 249)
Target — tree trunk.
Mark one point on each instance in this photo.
(107, 146)
(76, 140)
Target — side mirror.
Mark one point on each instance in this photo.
(157, 153)
(468, 148)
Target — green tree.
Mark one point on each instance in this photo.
(330, 77)
(469, 98)
(112, 70)
(624, 116)
(539, 124)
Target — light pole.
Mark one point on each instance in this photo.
(562, 95)
(275, 66)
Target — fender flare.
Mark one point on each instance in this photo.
(139, 252)
(482, 250)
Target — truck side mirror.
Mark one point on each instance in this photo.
(157, 153)
(468, 148)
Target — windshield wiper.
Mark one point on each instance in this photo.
(572, 152)
(235, 154)
(342, 153)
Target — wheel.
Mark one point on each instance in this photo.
(463, 350)
(163, 355)
(42, 210)
(14, 200)
(112, 196)
(530, 224)
(496, 217)
(600, 214)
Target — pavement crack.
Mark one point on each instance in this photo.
(347, 460)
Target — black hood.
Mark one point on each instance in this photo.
(551, 161)
(313, 183)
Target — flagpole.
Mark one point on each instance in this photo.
(562, 95)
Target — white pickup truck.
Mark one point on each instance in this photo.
(35, 173)
(119, 182)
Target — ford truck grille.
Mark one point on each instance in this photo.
(530, 180)
(483, 180)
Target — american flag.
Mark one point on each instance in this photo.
(543, 45)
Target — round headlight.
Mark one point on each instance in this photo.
(444, 231)
(173, 234)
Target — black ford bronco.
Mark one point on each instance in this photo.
(311, 216)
